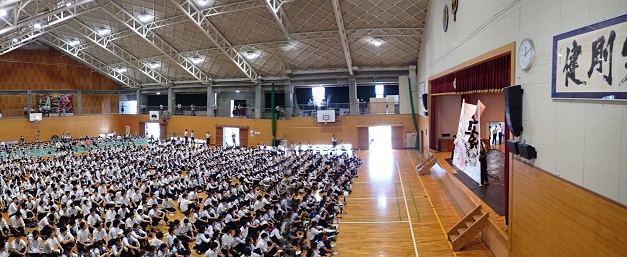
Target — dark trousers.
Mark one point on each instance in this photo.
(484, 171)
(500, 138)
(494, 139)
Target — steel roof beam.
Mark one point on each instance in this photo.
(275, 7)
(60, 44)
(119, 52)
(155, 40)
(200, 19)
(342, 31)
(54, 14)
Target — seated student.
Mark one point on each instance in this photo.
(83, 238)
(99, 233)
(267, 248)
(131, 245)
(213, 250)
(51, 246)
(99, 249)
(17, 225)
(18, 247)
(117, 247)
(202, 240)
(4, 227)
(157, 240)
(156, 216)
(34, 242)
(64, 237)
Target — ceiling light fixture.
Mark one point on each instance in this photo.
(236, 91)
(15, 40)
(196, 60)
(68, 4)
(36, 25)
(202, 2)
(121, 69)
(103, 31)
(377, 41)
(154, 65)
(74, 42)
(158, 93)
(3, 12)
(251, 55)
(144, 17)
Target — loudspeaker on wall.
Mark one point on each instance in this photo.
(513, 109)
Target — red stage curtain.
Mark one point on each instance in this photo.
(493, 75)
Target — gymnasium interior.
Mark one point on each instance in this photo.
(362, 127)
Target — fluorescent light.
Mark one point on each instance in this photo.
(158, 93)
(15, 40)
(74, 42)
(202, 2)
(36, 25)
(236, 91)
(154, 65)
(68, 4)
(251, 55)
(377, 41)
(144, 17)
(103, 31)
(121, 69)
(3, 12)
(196, 60)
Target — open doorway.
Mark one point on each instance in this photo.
(231, 137)
(153, 130)
(380, 138)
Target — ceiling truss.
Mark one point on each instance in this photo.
(343, 38)
(155, 40)
(128, 58)
(203, 23)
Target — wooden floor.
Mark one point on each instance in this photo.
(394, 212)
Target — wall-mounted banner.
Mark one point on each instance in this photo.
(55, 103)
(591, 62)
(468, 141)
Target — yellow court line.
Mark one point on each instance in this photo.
(433, 207)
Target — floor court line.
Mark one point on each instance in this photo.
(372, 182)
(433, 207)
(373, 198)
(411, 227)
(372, 222)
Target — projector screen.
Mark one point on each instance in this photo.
(35, 117)
(326, 116)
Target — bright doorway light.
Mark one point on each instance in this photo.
(378, 90)
(381, 165)
(231, 136)
(153, 130)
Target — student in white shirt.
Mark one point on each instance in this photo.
(18, 247)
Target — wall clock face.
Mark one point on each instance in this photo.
(526, 54)
(445, 18)
(454, 6)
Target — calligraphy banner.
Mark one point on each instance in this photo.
(468, 141)
(591, 62)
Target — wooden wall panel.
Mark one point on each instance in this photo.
(98, 104)
(200, 125)
(13, 105)
(48, 70)
(363, 141)
(423, 126)
(397, 137)
(552, 217)
(78, 126)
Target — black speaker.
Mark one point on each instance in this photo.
(513, 109)
(512, 147)
(527, 151)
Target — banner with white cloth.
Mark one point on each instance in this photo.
(468, 141)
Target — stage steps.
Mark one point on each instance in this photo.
(467, 228)
(424, 167)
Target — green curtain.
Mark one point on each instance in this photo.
(273, 114)
(413, 114)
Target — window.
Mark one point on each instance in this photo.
(378, 90)
(317, 94)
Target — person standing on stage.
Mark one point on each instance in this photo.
(334, 141)
(483, 161)
(499, 130)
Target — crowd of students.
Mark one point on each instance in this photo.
(121, 201)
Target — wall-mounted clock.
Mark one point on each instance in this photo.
(526, 53)
(445, 18)
(454, 6)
